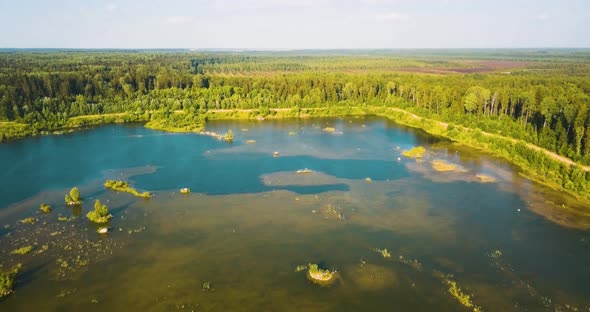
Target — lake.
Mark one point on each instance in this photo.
(474, 235)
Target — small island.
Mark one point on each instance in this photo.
(320, 276)
(122, 186)
(73, 198)
(100, 214)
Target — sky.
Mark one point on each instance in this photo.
(294, 24)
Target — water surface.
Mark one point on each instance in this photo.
(251, 220)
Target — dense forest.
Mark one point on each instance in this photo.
(541, 97)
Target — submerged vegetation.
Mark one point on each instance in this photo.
(73, 197)
(100, 214)
(123, 186)
(22, 251)
(7, 280)
(416, 152)
(229, 136)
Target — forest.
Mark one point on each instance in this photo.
(537, 96)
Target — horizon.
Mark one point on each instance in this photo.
(288, 25)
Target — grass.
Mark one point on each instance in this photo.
(416, 152)
(122, 186)
(22, 251)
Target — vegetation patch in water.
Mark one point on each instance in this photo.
(320, 276)
(442, 166)
(45, 208)
(329, 129)
(485, 178)
(185, 190)
(229, 136)
(22, 251)
(73, 198)
(29, 220)
(100, 214)
(7, 281)
(383, 252)
(416, 152)
(123, 186)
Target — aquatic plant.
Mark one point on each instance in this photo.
(441, 165)
(22, 251)
(7, 280)
(292, 133)
(329, 129)
(45, 208)
(463, 298)
(123, 186)
(229, 136)
(100, 214)
(73, 198)
(29, 220)
(206, 286)
(300, 171)
(250, 141)
(383, 252)
(416, 152)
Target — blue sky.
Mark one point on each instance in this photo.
(294, 24)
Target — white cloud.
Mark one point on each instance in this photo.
(176, 20)
(392, 16)
(543, 17)
(111, 7)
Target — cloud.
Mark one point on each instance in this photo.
(392, 16)
(542, 17)
(111, 7)
(176, 20)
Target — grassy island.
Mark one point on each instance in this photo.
(73, 197)
(320, 276)
(7, 281)
(122, 186)
(100, 214)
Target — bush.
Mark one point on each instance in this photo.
(100, 214)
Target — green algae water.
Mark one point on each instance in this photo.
(475, 236)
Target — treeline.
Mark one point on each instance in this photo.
(542, 102)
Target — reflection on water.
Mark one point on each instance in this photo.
(236, 241)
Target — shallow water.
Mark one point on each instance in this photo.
(251, 220)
